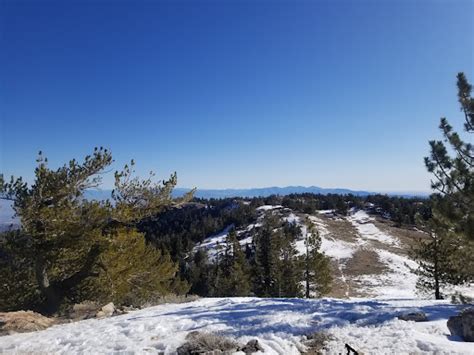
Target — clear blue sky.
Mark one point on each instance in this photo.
(235, 93)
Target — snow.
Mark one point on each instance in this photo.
(269, 207)
(336, 249)
(368, 231)
(332, 247)
(399, 281)
(369, 326)
(292, 218)
(326, 212)
(216, 242)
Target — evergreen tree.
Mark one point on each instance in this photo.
(217, 275)
(199, 274)
(234, 266)
(265, 261)
(454, 174)
(439, 257)
(289, 267)
(18, 287)
(131, 272)
(445, 257)
(64, 235)
(317, 270)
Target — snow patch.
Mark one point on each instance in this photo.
(269, 207)
(368, 231)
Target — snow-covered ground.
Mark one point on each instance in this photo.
(368, 231)
(280, 325)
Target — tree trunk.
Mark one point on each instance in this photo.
(55, 292)
(436, 273)
(307, 270)
(51, 298)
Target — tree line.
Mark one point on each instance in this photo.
(269, 266)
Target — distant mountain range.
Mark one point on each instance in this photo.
(268, 191)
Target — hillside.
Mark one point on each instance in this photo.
(369, 255)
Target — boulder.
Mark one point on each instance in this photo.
(252, 347)
(414, 317)
(84, 310)
(467, 317)
(23, 321)
(455, 325)
(462, 325)
(107, 311)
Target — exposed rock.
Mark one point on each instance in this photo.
(414, 316)
(467, 317)
(127, 309)
(107, 311)
(252, 347)
(315, 343)
(23, 321)
(84, 310)
(462, 325)
(455, 325)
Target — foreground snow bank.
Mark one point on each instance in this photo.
(279, 324)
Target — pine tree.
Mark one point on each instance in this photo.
(217, 275)
(445, 257)
(289, 267)
(454, 175)
(132, 272)
(438, 256)
(317, 271)
(64, 235)
(234, 266)
(199, 274)
(265, 261)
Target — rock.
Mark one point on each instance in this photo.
(413, 316)
(455, 326)
(84, 310)
(252, 347)
(23, 321)
(467, 318)
(462, 325)
(127, 309)
(107, 311)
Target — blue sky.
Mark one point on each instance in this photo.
(234, 93)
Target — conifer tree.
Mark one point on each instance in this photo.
(445, 256)
(440, 257)
(289, 267)
(265, 261)
(234, 266)
(454, 174)
(217, 275)
(199, 274)
(317, 271)
(131, 272)
(64, 234)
